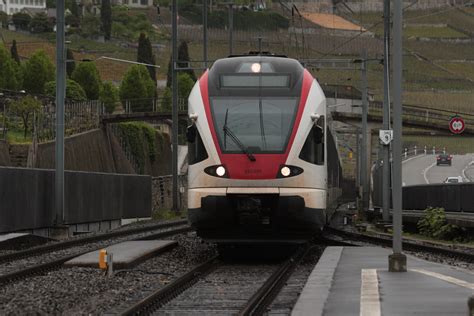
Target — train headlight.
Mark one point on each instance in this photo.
(217, 171)
(220, 171)
(285, 171)
(256, 67)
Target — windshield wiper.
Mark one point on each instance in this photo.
(236, 140)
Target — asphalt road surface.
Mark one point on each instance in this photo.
(423, 169)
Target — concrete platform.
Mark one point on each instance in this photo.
(356, 281)
(125, 254)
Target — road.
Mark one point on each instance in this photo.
(423, 169)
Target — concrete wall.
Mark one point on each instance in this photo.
(4, 154)
(27, 197)
(95, 151)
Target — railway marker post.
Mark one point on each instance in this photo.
(397, 261)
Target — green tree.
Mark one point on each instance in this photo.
(137, 88)
(106, 18)
(90, 26)
(74, 90)
(70, 64)
(109, 96)
(40, 23)
(145, 54)
(24, 108)
(21, 20)
(185, 85)
(10, 72)
(183, 57)
(14, 52)
(87, 76)
(37, 71)
(3, 19)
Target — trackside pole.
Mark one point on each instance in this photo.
(60, 92)
(175, 106)
(397, 262)
(386, 114)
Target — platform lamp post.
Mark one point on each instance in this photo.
(397, 261)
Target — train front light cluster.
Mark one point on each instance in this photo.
(286, 171)
(219, 171)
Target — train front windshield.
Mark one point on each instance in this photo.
(260, 124)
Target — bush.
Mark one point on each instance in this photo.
(38, 70)
(109, 96)
(434, 225)
(140, 137)
(87, 75)
(90, 26)
(74, 90)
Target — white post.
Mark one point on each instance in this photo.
(444, 150)
(415, 150)
(406, 152)
(434, 150)
(425, 150)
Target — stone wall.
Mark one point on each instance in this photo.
(162, 193)
(4, 154)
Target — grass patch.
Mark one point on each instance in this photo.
(457, 102)
(464, 69)
(17, 137)
(166, 214)
(432, 32)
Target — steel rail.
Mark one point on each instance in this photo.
(170, 291)
(77, 241)
(52, 265)
(265, 295)
(408, 245)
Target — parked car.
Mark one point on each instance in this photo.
(457, 179)
(444, 159)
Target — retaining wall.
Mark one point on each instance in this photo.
(452, 197)
(4, 154)
(27, 197)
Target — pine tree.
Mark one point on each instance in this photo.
(145, 54)
(183, 57)
(70, 64)
(14, 52)
(106, 18)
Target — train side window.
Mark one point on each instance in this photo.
(196, 150)
(313, 148)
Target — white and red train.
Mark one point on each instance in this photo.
(263, 164)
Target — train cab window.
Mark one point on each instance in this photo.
(313, 148)
(196, 150)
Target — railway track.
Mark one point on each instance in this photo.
(240, 279)
(34, 251)
(57, 263)
(407, 245)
